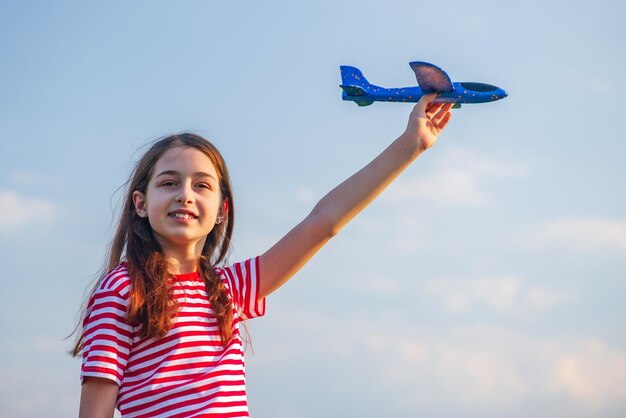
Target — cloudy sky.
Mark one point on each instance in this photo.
(488, 281)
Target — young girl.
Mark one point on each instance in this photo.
(160, 334)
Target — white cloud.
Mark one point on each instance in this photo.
(590, 372)
(19, 210)
(476, 370)
(508, 295)
(541, 298)
(459, 296)
(489, 368)
(585, 235)
(457, 180)
(453, 186)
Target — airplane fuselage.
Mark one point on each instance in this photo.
(462, 93)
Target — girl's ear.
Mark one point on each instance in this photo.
(222, 214)
(139, 199)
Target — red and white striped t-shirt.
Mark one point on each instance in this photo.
(187, 373)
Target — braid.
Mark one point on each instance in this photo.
(219, 299)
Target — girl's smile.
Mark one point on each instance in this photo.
(183, 214)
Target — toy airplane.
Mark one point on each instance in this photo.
(430, 78)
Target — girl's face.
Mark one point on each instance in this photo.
(183, 201)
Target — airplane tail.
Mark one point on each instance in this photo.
(354, 84)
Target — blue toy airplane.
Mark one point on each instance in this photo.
(430, 78)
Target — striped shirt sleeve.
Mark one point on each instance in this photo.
(243, 281)
(108, 336)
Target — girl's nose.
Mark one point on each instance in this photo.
(185, 194)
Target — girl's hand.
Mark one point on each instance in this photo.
(427, 120)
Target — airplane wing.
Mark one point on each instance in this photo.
(431, 78)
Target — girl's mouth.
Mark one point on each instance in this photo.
(182, 214)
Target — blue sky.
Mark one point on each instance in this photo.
(488, 281)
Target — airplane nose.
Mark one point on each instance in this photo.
(499, 94)
(486, 92)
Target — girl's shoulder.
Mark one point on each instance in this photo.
(239, 274)
(112, 289)
(117, 280)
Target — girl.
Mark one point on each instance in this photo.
(160, 332)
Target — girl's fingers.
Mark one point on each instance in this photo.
(445, 107)
(435, 108)
(432, 110)
(425, 102)
(443, 111)
(444, 121)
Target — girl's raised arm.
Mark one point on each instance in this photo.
(345, 201)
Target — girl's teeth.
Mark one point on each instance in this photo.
(182, 216)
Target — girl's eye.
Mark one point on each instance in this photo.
(203, 186)
(168, 183)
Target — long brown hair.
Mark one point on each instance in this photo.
(151, 304)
